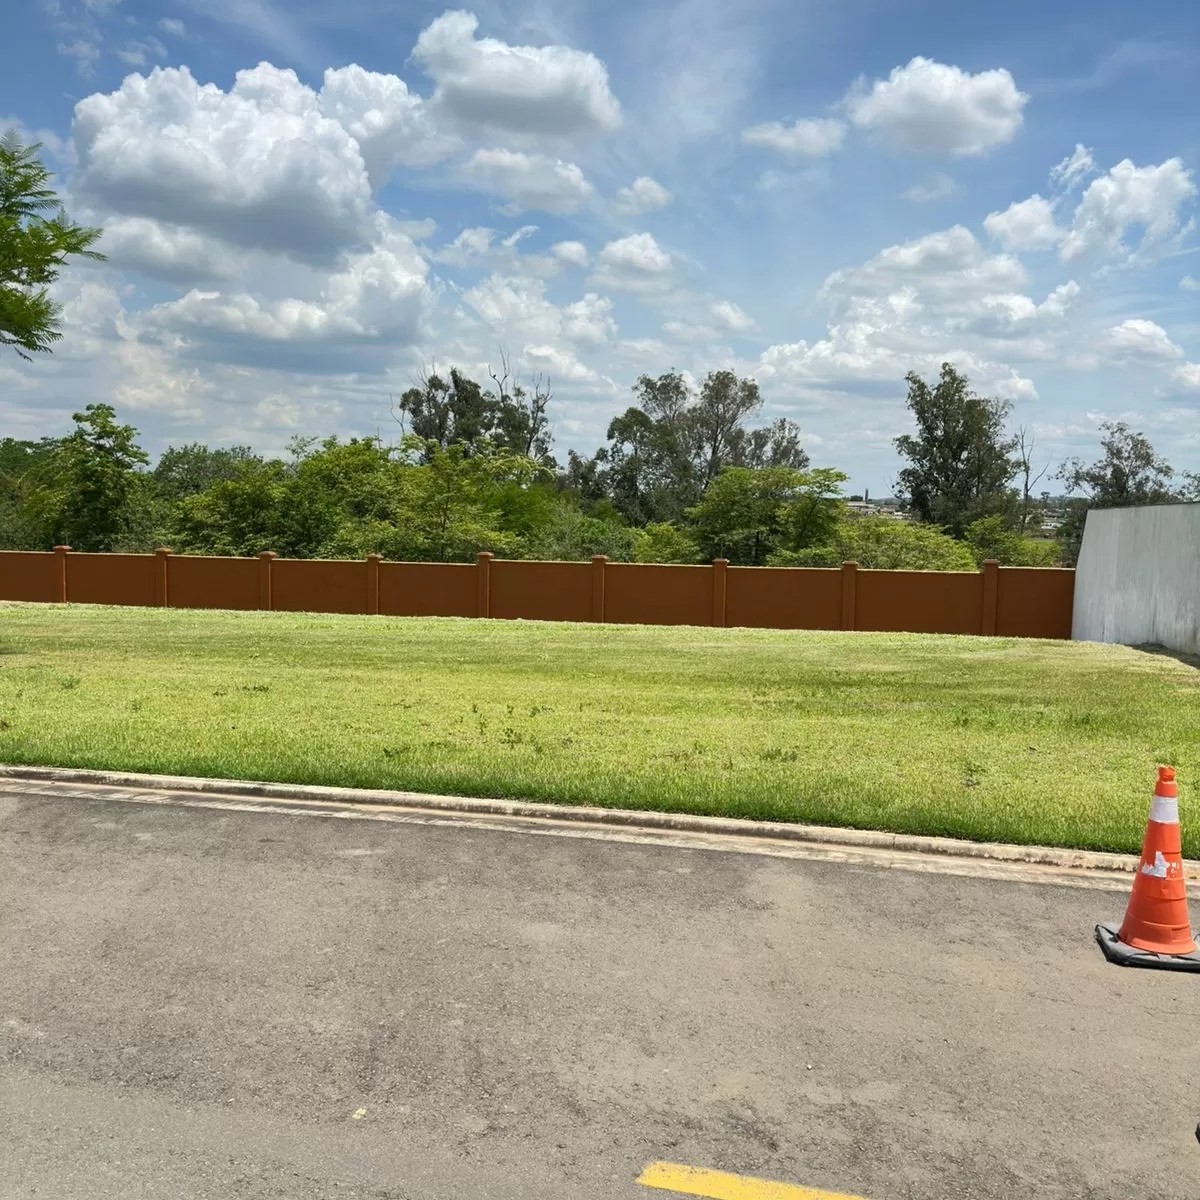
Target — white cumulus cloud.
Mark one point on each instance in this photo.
(633, 264)
(536, 90)
(1129, 198)
(469, 248)
(169, 252)
(376, 296)
(643, 195)
(1146, 202)
(949, 265)
(589, 321)
(942, 297)
(810, 138)
(480, 246)
(390, 124)
(259, 166)
(1026, 225)
(929, 107)
(558, 363)
(728, 316)
(516, 309)
(574, 254)
(1140, 340)
(1061, 299)
(528, 181)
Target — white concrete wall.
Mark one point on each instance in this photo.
(1138, 577)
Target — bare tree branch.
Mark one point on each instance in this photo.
(1025, 447)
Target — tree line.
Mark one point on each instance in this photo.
(685, 475)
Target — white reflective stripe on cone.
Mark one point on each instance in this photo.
(1165, 810)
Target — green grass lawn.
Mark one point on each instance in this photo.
(1017, 741)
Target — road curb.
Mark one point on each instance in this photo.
(821, 835)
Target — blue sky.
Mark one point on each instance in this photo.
(307, 204)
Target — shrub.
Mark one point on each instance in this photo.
(885, 543)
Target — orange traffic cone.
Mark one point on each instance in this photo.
(1156, 932)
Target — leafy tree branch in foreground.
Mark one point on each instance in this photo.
(36, 239)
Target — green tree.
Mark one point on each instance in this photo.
(663, 542)
(715, 424)
(644, 469)
(25, 468)
(718, 436)
(960, 461)
(1129, 472)
(571, 536)
(522, 426)
(582, 478)
(447, 410)
(522, 507)
(653, 474)
(992, 537)
(93, 475)
(774, 445)
(816, 509)
(344, 499)
(452, 503)
(36, 238)
(663, 452)
(747, 515)
(18, 457)
(456, 410)
(185, 470)
(151, 513)
(886, 544)
(235, 516)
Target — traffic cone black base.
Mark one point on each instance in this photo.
(1116, 951)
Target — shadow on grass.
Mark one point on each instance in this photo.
(1188, 660)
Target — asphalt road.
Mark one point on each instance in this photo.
(206, 1003)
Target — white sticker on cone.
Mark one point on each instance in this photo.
(1159, 867)
(1164, 810)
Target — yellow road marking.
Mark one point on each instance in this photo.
(717, 1185)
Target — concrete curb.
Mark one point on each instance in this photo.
(822, 835)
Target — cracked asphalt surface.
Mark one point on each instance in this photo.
(197, 1003)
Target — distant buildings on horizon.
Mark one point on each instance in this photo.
(891, 506)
